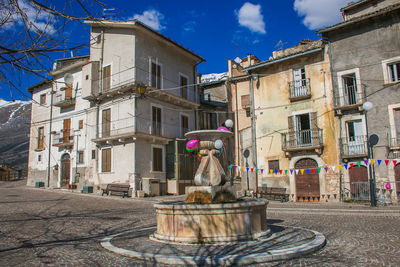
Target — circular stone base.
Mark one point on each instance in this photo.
(283, 243)
(211, 223)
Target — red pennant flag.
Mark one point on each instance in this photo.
(252, 169)
(280, 171)
(394, 162)
(386, 161)
(351, 165)
(313, 171)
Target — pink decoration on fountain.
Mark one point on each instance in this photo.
(222, 128)
(192, 144)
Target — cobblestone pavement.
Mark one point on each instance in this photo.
(55, 228)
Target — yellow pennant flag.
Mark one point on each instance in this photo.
(271, 171)
(302, 171)
(243, 169)
(339, 167)
(372, 161)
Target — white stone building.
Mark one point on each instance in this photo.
(117, 134)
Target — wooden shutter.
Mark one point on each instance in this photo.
(107, 77)
(156, 120)
(41, 138)
(68, 91)
(157, 159)
(80, 124)
(106, 123)
(106, 160)
(183, 84)
(158, 76)
(313, 120)
(291, 134)
(66, 130)
(42, 99)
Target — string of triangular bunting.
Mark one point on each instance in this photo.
(312, 170)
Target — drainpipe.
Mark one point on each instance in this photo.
(134, 148)
(253, 126)
(101, 60)
(51, 121)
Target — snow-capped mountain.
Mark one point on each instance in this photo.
(14, 130)
(213, 77)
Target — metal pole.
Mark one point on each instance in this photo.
(254, 130)
(371, 177)
(248, 185)
(51, 120)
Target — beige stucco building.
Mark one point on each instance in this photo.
(295, 127)
(123, 134)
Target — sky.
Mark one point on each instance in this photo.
(215, 30)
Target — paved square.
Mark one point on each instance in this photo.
(41, 227)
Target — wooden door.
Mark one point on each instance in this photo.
(184, 125)
(65, 170)
(67, 130)
(359, 186)
(307, 185)
(397, 179)
(184, 90)
(106, 123)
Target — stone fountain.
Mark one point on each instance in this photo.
(212, 213)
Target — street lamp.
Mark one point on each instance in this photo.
(367, 106)
(141, 89)
(229, 124)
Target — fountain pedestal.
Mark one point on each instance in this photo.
(211, 212)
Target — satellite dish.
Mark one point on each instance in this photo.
(68, 78)
(373, 140)
(246, 153)
(238, 60)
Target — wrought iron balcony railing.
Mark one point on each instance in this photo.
(349, 100)
(355, 146)
(299, 90)
(302, 140)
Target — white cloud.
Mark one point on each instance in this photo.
(152, 18)
(39, 20)
(189, 26)
(319, 13)
(250, 16)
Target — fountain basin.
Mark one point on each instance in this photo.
(178, 222)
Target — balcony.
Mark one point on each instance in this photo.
(352, 100)
(394, 147)
(310, 139)
(299, 90)
(64, 99)
(129, 129)
(63, 139)
(354, 147)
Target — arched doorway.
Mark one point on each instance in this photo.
(65, 169)
(359, 186)
(307, 184)
(397, 179)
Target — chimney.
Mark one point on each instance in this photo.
(248, 60)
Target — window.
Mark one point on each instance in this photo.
(39, 158)
(157, 159)
(355, 138)
(107, 78)
(40, 144)
(248, 113)
(184, 125)
(303, 129)
(80, 124)
(273, 164)
(106, 160)
(394, 72)
(105, 122)
(87, 77)
(80, 157)
(156, 75)
(300, 82)
(43, 99)
(350, 89)
(68, 91)
(156, 128)
(183, 83)
(93, 154)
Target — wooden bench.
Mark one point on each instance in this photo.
(120, 188)
(274, 193)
